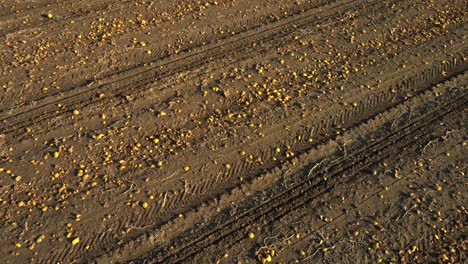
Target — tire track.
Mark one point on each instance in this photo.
(249, 166)
(175, 201)
(179, 200)
(296, 196)
(135, 60)
(282, 169)
(327, 123)
(337, 215)
(235, 108)
(142, 65)
(139, 77)
(17, 135)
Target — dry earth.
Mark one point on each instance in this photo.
(233, 131)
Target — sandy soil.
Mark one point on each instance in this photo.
(230, 132)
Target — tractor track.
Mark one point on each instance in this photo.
(132, 81)
(101, 165)
(186, 197)
(143, 67)
(53, 115)
(416, 81)
(55, 31)
(311, 187)
(366, 192)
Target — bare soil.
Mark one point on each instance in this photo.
(233, 131)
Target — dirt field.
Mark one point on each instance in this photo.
(233, 131)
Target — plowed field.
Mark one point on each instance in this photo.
(233, 131)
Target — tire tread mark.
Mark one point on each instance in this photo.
(375, 148)
(325, 124)
(278, 31)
